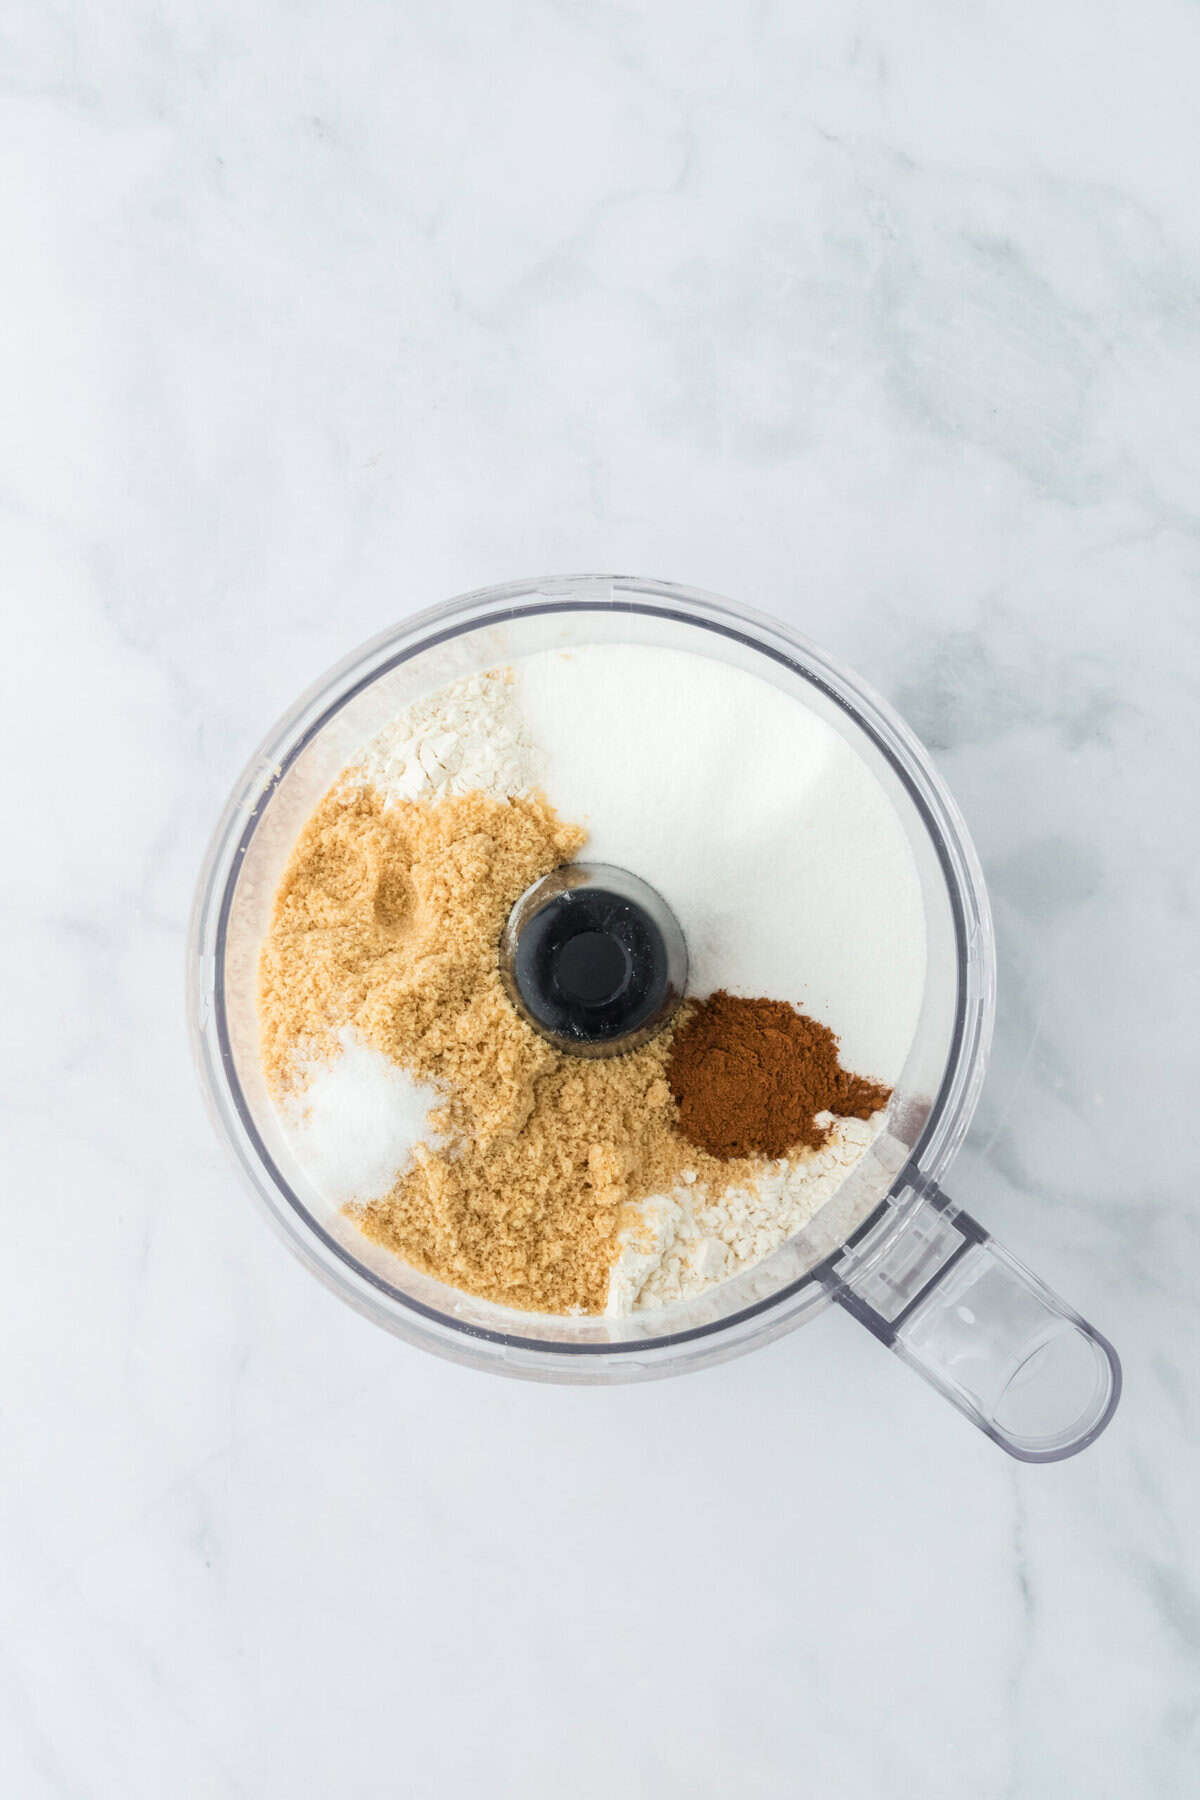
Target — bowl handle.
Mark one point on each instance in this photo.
(980, 1327)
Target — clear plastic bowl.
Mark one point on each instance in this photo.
(889, 1246)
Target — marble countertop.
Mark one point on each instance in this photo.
(883, 319)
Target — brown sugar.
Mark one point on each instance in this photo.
(750, 1077)
(388, 919)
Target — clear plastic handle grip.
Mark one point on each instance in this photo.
(982, 1329)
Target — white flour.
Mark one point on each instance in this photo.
(354, 1120)
(469, 737)
(683, 1242)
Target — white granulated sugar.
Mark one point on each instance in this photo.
(353, 1121)
(468, 737)
(772, 841)
(684, 1242)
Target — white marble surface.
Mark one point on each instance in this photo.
(884, 318)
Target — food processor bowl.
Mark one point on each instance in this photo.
(890, 1248)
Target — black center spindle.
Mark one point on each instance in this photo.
(594, 959)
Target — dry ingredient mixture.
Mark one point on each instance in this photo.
(419, 1100)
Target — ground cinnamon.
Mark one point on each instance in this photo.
(750, 1077)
